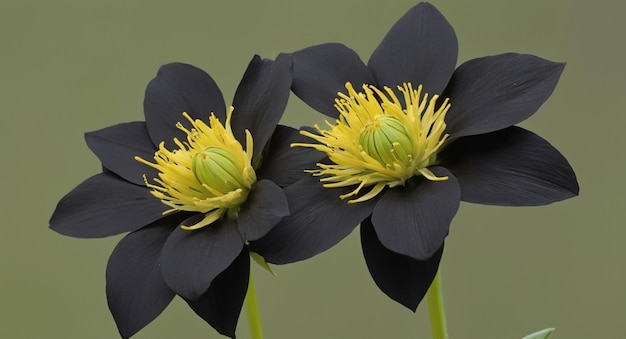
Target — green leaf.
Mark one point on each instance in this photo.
(543, 334)
(261, 261)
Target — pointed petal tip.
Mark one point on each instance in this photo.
(260, 99)
(421, 48)
(220, 306)
(495, 92)
(179, 88)
(510, 167)
(135, 290)
(402, 278)
(104, 205)
(321, 71)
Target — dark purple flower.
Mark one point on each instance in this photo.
(407, 159)
(209, 266)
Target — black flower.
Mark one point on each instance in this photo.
(406, 158)
(244, 147)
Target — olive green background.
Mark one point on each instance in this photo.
(67, 67)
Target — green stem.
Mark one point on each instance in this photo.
(435, 309)
(254, 319)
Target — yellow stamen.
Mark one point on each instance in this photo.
(209, 173)
(379, 140)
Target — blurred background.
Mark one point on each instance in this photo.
(67, 67)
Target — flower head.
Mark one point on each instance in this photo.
(411, 136)
(210, 173)
(376, 142)
(195, 185)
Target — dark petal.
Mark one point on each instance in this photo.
(320, 72)
(135, 289)
(221, 304)
(414, 220)
(105, 205)
(318, 220)
(180, 88)
(260, 99)
(117, 146)
(192, 259)
(265, 207)
(403, 279)
(511, 167)
(285, 165)
(421, 48)
(495, 92)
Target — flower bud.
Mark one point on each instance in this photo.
(218, 169)
(387, 140)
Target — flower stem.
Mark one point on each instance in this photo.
(254, 319)
(435, 309)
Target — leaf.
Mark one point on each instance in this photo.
(261, 261)
(543, 334)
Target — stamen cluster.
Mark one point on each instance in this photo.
(208, 173)
(379, 140)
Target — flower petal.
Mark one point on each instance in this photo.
(192, 259)
(511, 167)
(320, 72)
(285, 165)
(260, 99)
(135, 289)
(265, 207)
(179, 88)
(116, 147)
(318, 220)
(221, 304)
(421, 48)
(491, 93)
(402, 278)
(105, 205)
(414, 220)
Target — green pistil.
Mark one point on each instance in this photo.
(216, 168)
(387, 140)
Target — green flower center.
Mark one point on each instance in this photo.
(218, 169)
(387, 140)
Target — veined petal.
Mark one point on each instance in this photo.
(136, 292)
(319, 219)
(179, 88)
(414, 220)
(420, 48)
(221, 304)
(190, 260)
(265, 207)
(511, 167)
(260, 99)
(283, 164)
(402, 278)
(320, 72)
(117, 146)
(105, 205)
(495, 92)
